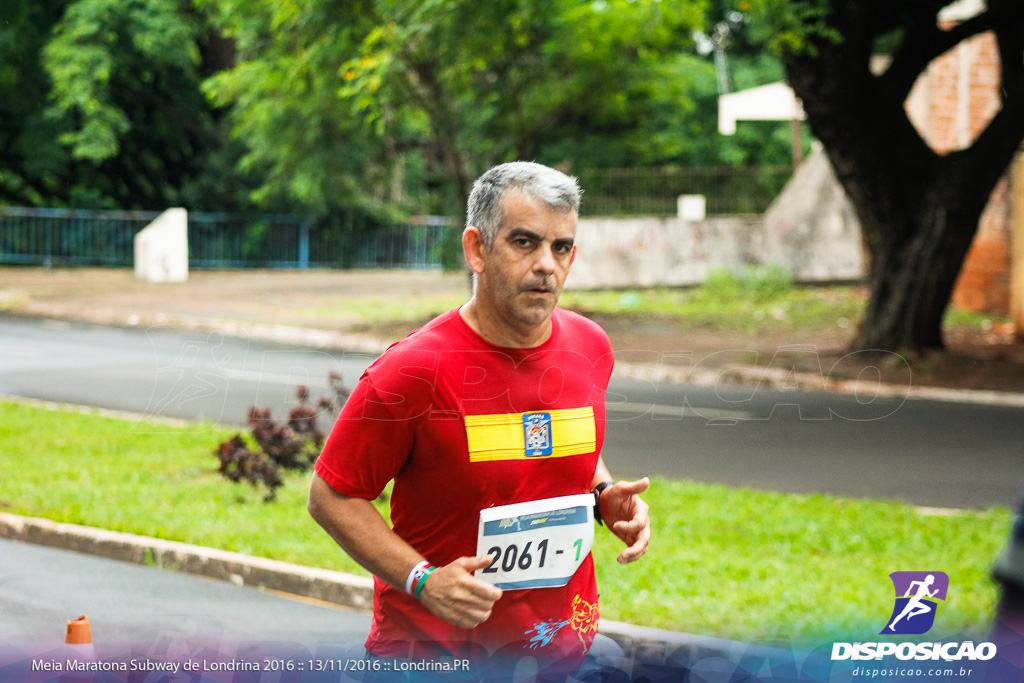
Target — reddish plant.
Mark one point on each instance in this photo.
(293, 445)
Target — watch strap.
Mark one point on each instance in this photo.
(597, 491)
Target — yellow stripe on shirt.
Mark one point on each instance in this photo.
(501, 437)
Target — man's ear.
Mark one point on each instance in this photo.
(474, 249)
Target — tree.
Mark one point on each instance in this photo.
(101, 107)
(919, 209)
(281, 100)
(399, 104)
(30, 157)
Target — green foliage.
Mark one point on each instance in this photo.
(791, 27)
(253, 240)
(150, 479)
(282, 98)
(725, 562)
(396, 104)
(386, 107)
(86, 62)
(754, 284)
(30, 165)
(100, 107)
(956, 317)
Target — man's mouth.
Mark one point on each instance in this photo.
(540, 290)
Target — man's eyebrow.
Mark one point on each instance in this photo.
(516, 233)
(523, 232)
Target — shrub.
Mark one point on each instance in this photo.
(293, 445)
(238, 463)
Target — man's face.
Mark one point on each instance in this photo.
(525, 268)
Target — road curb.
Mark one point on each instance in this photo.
(774, 379)
(673, 648)
(330, 586)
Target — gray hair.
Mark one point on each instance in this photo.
(557, 190)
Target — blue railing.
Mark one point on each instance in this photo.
(48, 236)
(220, 240)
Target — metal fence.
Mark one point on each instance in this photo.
(227, 240)
(654, 191)
(51, 236)
(220, 240)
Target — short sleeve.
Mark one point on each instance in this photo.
(369, 443)
(375, 432)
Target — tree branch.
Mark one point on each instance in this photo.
(1010, 37)
(921, 46)
(986, 160)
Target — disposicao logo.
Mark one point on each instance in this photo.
(917, 596)
(917, 600)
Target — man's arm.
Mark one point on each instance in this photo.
(625, 512)
(451, 592)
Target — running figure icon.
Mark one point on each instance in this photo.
(916, 605)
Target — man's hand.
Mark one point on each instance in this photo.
(626, 515)
(454, 594)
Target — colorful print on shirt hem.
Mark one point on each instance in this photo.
(583, 621)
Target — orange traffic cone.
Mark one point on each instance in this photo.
(79, 652)
(79, 632)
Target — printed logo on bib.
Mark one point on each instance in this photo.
(537, 434)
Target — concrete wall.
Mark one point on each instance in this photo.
(811, 227)
(809, 230)
(640, 252)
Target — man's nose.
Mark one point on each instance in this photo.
(545, 262)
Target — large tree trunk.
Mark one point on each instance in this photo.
(911, 279)
(918, 209)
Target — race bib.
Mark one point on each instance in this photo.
(538, 544)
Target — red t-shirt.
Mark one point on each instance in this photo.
(406, 420)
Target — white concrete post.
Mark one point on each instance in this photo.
(161, 248)
(691, 207)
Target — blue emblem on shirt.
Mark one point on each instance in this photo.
(537, 434)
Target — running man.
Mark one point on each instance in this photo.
(498, 402)
(916, 605)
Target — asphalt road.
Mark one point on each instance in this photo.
(923, 452)
(138, 612)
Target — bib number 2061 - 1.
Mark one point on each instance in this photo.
(538, 544)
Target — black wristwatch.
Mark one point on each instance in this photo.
(597, 491)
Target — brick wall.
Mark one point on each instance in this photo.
(952, 103)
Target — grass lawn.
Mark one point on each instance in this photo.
(755, 301)
(376, 309)
(724, 562)
(750, 303)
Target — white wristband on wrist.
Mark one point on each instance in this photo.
(414, 575)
